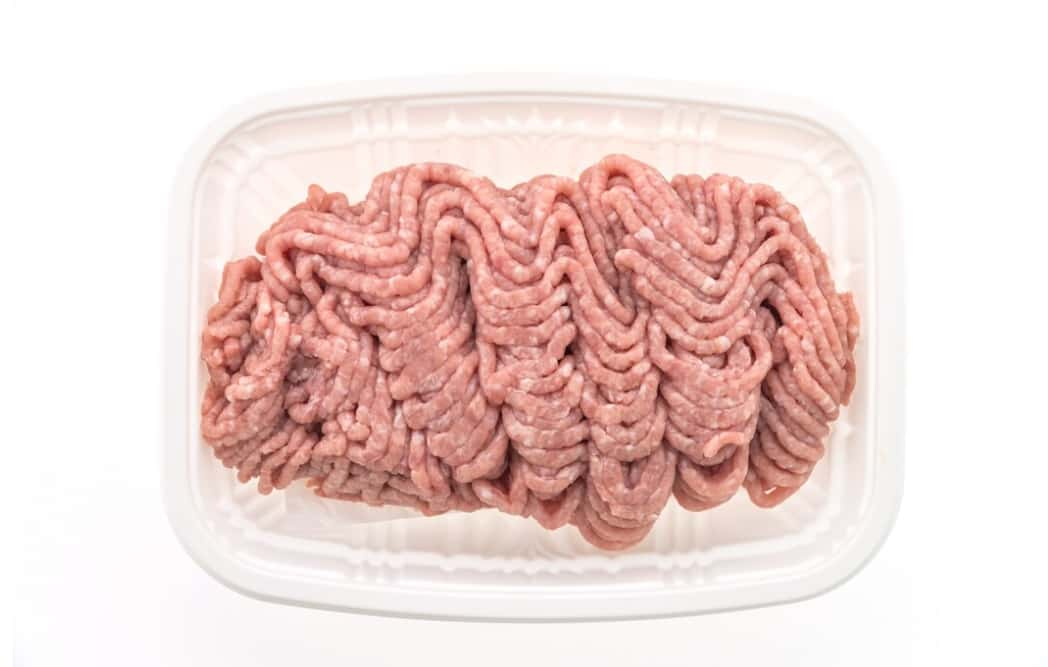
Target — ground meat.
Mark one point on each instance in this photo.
(571, 351)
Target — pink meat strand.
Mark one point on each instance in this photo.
(575, 351)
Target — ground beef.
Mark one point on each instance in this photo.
(571, 351)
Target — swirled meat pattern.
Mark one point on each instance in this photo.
(571, 351)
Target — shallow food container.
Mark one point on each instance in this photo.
(257, 160)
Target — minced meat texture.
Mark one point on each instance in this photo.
(574, 351)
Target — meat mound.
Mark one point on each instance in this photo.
(570, 351)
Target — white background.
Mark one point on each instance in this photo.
(106, 98)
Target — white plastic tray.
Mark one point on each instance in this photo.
(256, 160)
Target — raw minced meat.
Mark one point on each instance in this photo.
(571, 351)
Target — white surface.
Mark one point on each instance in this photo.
(258, 159)
(105, 101)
